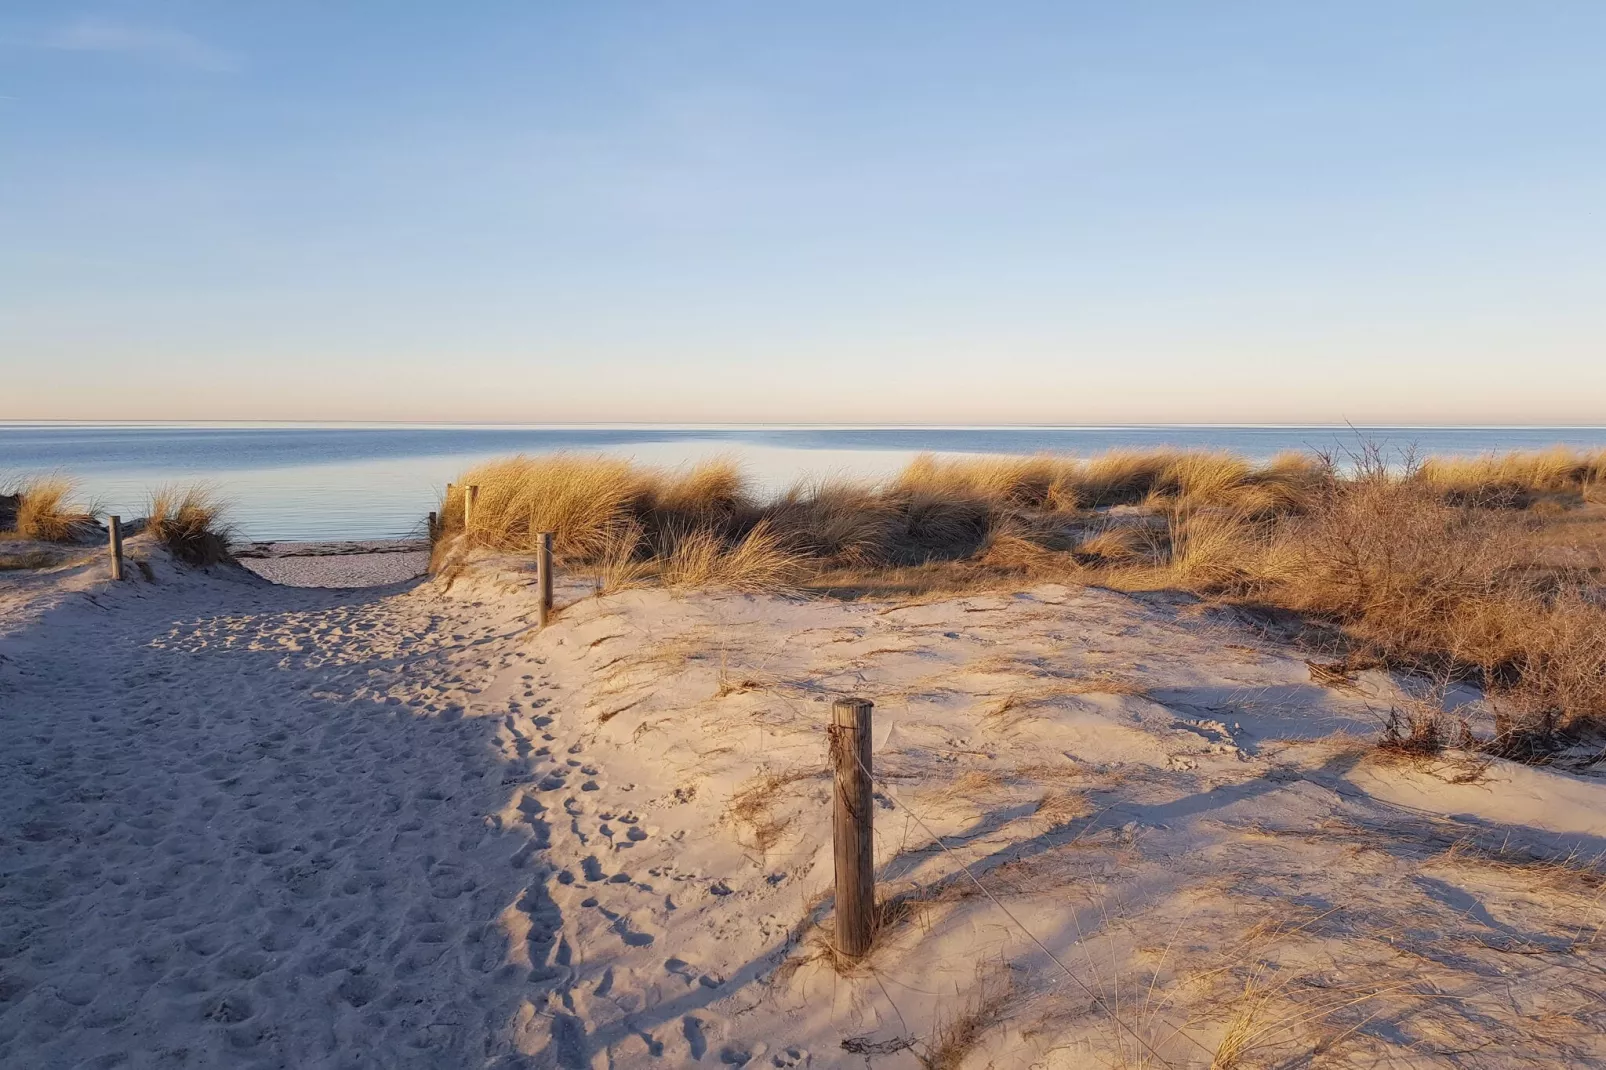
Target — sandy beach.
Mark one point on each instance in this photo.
(368, 563)
(244, 824)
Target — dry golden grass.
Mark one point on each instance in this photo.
(1512, 479)
(759, 562)
(44, 510)
(189, 521)
(1408, 560)
(1041, 481)
(836, 520)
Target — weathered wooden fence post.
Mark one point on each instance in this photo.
(434, 525)
(853, 826)
(471, 497)
(114, 527)
(543, 575)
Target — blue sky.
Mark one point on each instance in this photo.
(978, 213)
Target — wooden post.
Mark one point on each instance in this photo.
(852, 826)
(434, 525)
(543, 574)
(114, 525)
(446, 502)
(471, 497)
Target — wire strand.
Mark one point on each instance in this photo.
(1098, 1001)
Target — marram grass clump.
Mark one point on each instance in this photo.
(189, 521)
(43, 510)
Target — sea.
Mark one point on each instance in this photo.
(377, 481)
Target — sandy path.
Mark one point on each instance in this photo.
(255, 826)
(258, 826)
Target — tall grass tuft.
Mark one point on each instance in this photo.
(189, 521)
(43, 510)
(758, 562)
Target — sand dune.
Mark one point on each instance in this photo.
(250, 825)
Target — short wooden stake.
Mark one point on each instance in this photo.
(471, 497)
(434, 526)
(543, 574)
(114, 525)
(853, 826)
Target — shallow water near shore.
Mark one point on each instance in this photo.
(370, 481)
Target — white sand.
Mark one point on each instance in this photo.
(248, 825)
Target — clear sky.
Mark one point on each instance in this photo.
(922, 212)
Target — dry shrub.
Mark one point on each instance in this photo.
(1422, 729)
(189, 522)
(588, 501)
(711, 490)
(1288, 483)
(1429, 584)
(44, 511)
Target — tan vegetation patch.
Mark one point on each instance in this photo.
(27, 559)
(189, 521)
(753, 805)
(43, 510)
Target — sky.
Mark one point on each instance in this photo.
(982, 213)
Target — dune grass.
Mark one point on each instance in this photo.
(1515, 479)
(190, 522)
(1428, 566)
(44, 510)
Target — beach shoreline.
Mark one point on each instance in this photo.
(353, 563)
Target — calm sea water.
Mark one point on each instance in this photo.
(367, 481)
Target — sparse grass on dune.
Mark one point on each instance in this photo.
(189, 521)
(44, 510)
